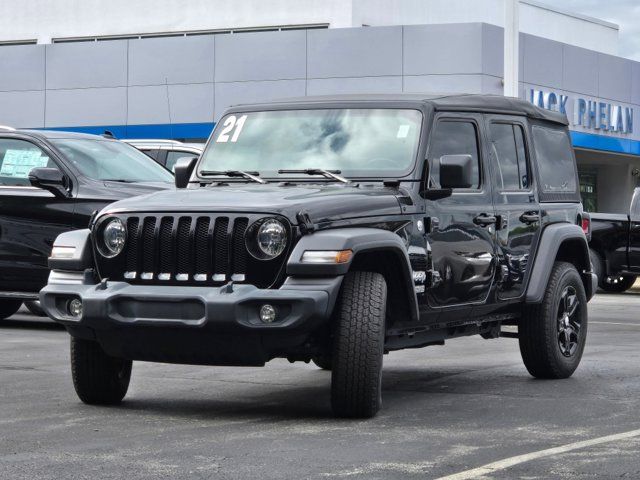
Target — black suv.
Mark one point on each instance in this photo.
(336, 230)
(52, 182)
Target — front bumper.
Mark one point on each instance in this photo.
(202, 325)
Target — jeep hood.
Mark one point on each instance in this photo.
(321, 202)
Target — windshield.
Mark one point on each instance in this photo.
(357, 142)
(110, 160)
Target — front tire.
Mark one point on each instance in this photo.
(552, 335)
(98, 378)
(358, 346)
(323, 362)
(8, 307)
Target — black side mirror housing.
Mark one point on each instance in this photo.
(183, 170)
(436, 193)
(50, 179)
(456, 171)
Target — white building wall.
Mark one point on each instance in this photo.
(44, 20)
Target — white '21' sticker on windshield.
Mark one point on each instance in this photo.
(231, 127)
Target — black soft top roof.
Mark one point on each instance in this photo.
(444, 102)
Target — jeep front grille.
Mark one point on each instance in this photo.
(190, 250)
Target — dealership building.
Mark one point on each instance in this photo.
(166, 69)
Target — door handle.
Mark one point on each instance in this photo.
(485, 220)
(530, 217)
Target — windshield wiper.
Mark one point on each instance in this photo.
(119, 180)
(234, 173)
(332, 174)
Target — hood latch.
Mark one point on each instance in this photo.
(304, 220)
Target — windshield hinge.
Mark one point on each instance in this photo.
(304, 220)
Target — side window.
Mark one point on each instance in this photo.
(151, 153)
(452, 137)
(508, 150)
(556, 166)
(173, 156)
(17, 158)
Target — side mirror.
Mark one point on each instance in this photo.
(50, 179)
(456, 171)
(183, 170)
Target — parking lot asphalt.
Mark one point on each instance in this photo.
(446, 410)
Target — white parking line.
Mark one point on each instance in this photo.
(527, 457)
(617, 323)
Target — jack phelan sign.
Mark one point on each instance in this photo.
(587, 113)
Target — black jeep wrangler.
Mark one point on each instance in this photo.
(337, 229)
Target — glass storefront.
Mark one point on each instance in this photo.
(588, 188)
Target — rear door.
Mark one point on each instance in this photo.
(515, 202)
(461, 230)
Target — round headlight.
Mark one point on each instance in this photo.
(269, 239)
(114, 236)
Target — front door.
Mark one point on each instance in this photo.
(461, 228)
(30, 218)
(515, 203)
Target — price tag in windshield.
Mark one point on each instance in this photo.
(231, 129)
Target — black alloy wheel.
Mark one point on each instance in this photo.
(569, 322)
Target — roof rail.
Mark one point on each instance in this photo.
(6, 127)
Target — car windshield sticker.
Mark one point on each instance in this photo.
(231, 124)
(403, 131)
(18, 163)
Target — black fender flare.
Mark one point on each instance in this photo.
(358, 240)
(82, 256)
(549, 245)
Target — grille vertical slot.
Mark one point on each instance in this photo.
(239, 249)
(221, 246)
(167, 253)
(183, 261)
(148, 245)
(201, 246)
(132, 244)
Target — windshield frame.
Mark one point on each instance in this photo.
(408, 174)
(52, 142)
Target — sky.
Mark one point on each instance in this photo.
(625, 13)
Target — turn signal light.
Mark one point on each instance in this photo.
(62, 252)
(327, 256)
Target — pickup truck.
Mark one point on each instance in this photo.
(615, 247)
(336, 230)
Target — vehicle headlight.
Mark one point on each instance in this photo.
(114, 236)
(267, 239)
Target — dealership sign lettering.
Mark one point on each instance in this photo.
(587, 113)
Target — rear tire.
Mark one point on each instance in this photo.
(552, 335)
(617, 283)
(9, 307)
(98, 378)
(597, 265)
(358, 346)
(34, 307)
(322, 361)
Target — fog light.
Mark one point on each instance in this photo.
(267, 313)
(75, 308)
